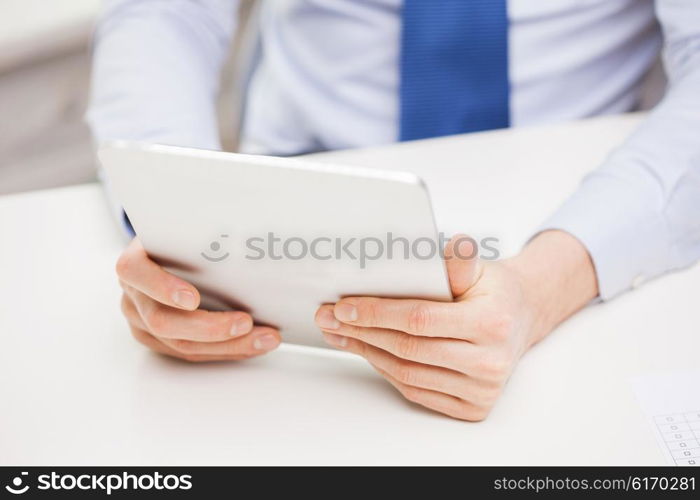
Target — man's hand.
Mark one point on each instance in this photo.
(162, 312)
(456, 357)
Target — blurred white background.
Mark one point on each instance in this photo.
(44, 73)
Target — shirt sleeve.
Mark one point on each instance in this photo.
(156, 72)
(638, 214)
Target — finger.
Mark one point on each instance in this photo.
(452, 354)
(426, 376)
(202, 326)
(145, 338)
(442, 403)
(154, 344)
(131, 313)
(462, 261)
(261, 340)
(135, 268)
(417, 317)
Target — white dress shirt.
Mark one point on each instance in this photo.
(328, 78)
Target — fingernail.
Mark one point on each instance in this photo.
(185, 299)
(326, 320)
(266, 342)
(240, 326)
(336, 340)
(345, 311)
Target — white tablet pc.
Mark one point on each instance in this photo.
(278, 237)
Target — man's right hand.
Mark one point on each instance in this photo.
(162, 312)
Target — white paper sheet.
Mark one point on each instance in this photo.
(672, 403)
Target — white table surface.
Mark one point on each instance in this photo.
(76, 389)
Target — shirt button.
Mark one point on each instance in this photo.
(637, 281)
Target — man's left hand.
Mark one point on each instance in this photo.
(452, 357)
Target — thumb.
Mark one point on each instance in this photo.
(462, 261)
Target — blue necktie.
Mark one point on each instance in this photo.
(454, 67)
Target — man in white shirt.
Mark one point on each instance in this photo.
(348, 73)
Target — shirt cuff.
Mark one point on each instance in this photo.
(622, 227)
(127, 225)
